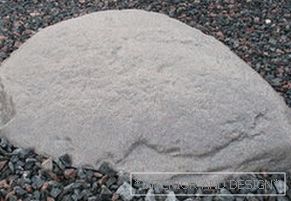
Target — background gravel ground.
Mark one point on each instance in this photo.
(27, 176)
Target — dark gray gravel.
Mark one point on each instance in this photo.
(27, 176)
(259, 31)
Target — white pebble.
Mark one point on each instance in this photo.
(171, 197)
(268, 21)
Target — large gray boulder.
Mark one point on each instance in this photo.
(146, 93)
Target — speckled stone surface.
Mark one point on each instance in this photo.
(146, 93)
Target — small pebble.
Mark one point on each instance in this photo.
(47, 164)
(125, 191)
(106, 169)
(268, 21)
(280, 186)
(171, 197)
(150, 195)
(70, 173)
(55, 192)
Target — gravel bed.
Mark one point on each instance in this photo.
(257, 31)
(27, 176)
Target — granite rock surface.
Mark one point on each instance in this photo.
(145, 93)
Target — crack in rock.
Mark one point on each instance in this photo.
(175, 151)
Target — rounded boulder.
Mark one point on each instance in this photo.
(146, 93)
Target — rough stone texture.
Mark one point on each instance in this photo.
(146, 93)
(7, 109)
